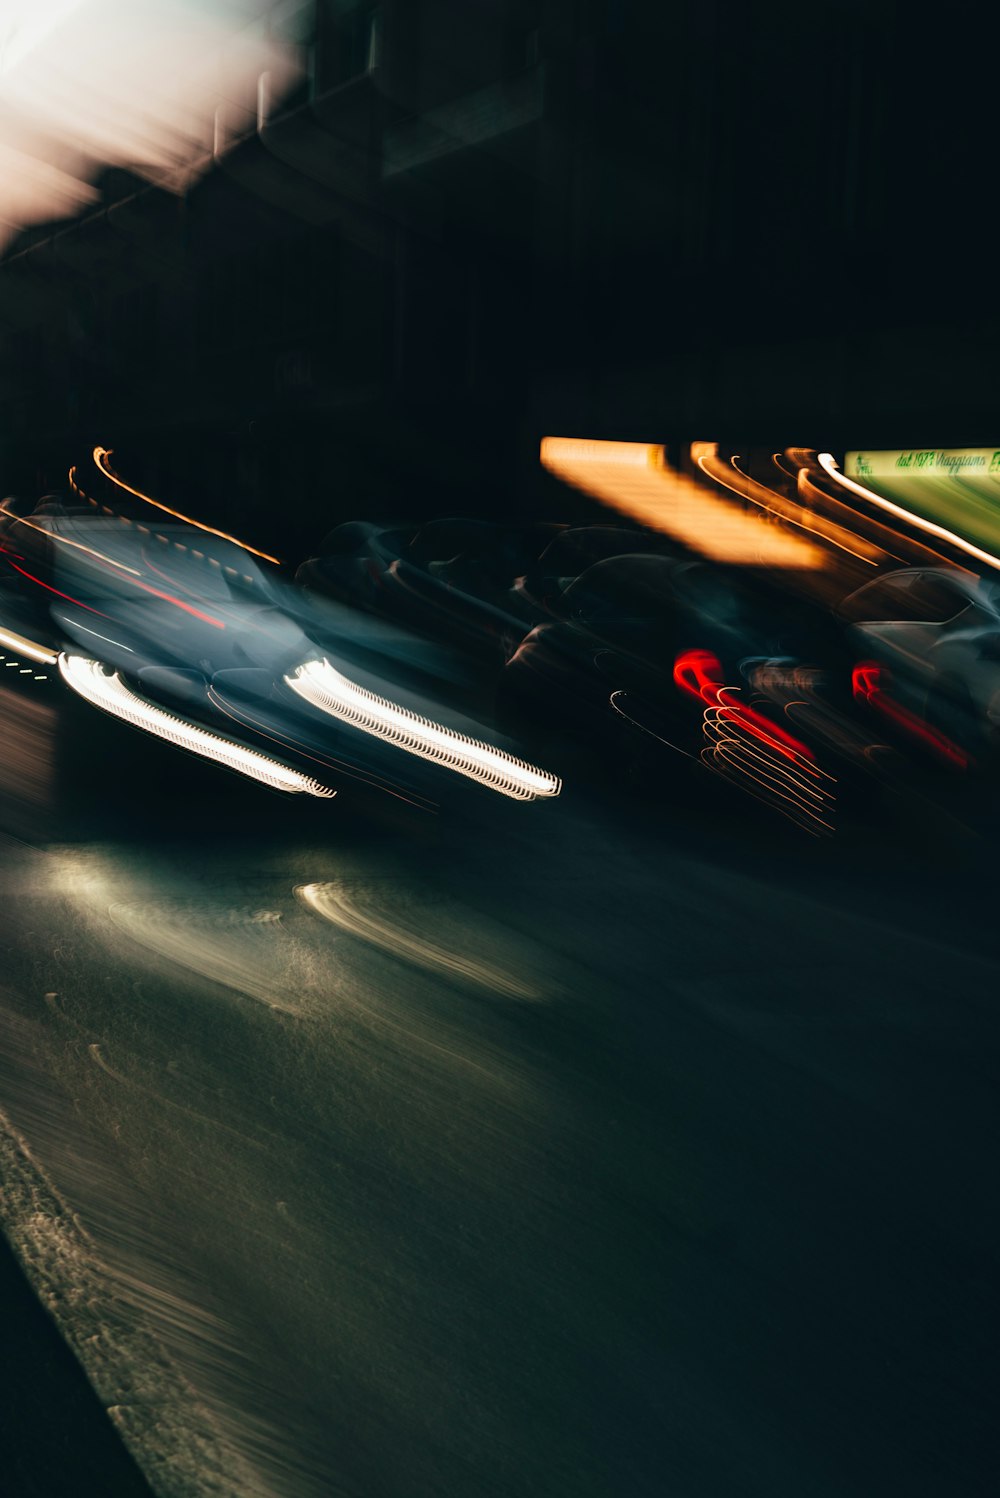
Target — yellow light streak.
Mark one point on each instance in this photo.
(739, 757)
(101, 456)
(706, 455)
(337, 904)
(635, 478)
(27, 647)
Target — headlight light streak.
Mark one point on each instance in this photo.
(340, 767)
(326, 689)
(90, 680)
(29, 648)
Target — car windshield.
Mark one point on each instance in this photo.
(94, 559)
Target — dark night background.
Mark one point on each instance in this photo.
(477, 222)
(741, 222)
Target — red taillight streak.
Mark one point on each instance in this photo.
(48, 586)
(764, 729)
(179, 603)
(171, 598)
(167, 597)
(866, 680)
(699, 673)
(691, 673)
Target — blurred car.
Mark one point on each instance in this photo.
(27, 560)
(658, 661)
(352, 560)
(927, 643)
(186, 636)
(456, 579)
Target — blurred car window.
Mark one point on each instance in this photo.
(906, 598)
(579, 547)
(624, 587)
(99, 559)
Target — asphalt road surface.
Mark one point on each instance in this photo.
(590, 1149)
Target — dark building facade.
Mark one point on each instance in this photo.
(477, 221)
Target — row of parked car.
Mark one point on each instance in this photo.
(606, 648)
(595, 651)
(183, 634)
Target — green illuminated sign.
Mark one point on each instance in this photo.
(933, 462)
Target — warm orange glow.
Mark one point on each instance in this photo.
(894, 545)
(706, 455)
(124, 83)
(101, 456)
(635, 478)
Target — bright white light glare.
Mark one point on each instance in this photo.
(829, 465)
(27, 647)
(330, 692)
(25, 25)
(91, 681)
(131, 83)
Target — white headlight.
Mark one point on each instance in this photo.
(91, 681)
(326, 689)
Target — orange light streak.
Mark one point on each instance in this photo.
(706, 455)
(635, 478)
(101, 456)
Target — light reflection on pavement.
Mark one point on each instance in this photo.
(528, 1156)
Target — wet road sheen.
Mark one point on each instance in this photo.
(534, 1151)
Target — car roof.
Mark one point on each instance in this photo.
(982, 590)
